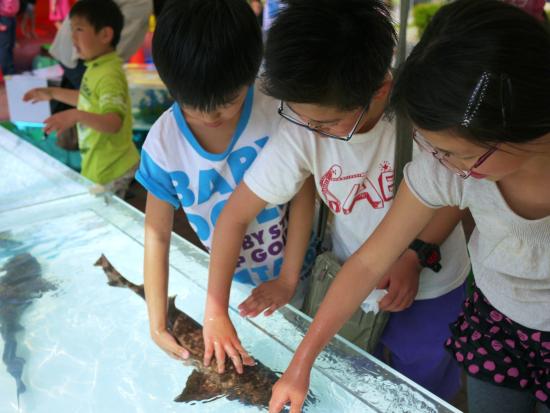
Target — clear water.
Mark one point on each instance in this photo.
(29, 177)
(86, 345)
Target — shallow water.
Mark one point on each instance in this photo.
(29, 177)
(86, 344)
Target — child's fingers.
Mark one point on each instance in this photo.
(402, 301)
(275, 406)
(254, 306)
(248, 304)
(271, 310)
(172, 355)
(296, 407)
(254, 312)
(176, 356)
(247, 360)
(261, 307)
(52, 127)
(220, 356)
(387, 300)
(235, 357)
(30, 94)
(167, 343)
(383, 283)
(247, 312)
(180, 351)
(398, 303)
(208, 352)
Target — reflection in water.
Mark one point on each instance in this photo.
(19, 286)
(7, 243)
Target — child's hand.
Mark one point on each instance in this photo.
(268, 296)
(168, 343)
(3, 27)
(61, 121)
(220, 338)
(38, 95)
(401, 281)
(290, 388)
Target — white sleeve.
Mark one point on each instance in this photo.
(62, 48)
(433, 184)
(281, 167)
(136, 24)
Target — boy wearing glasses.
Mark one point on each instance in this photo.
(328, 62)
(197, 152)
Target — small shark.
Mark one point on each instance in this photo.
(19, 287)
(253, 387)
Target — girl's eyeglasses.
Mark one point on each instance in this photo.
(443, 158)
(286, 112)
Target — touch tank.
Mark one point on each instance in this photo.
(72, 343)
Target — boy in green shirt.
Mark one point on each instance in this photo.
(103, 110)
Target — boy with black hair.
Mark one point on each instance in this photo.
(328, 62)
(103, 111)
(208, 53)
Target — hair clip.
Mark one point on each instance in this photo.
(476, 99)
(506, 99)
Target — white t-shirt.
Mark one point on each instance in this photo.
(271, 10)
(510, 254)
(175, 168)
(355, 180)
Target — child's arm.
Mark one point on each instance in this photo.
(403, 277)
(273, 294)
(158, 227)
(68, 96)
(357, 278)
(219, 334)
(105, 123)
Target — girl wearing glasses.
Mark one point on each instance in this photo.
(477, 89)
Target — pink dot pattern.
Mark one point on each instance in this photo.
(492, 347)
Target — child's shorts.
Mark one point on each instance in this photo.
(119, 186)
(493, 348)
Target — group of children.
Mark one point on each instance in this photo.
(245, 156)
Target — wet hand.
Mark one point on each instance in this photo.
(220, 338)
(291, 388)
(169, 345)
(38, 95)
(268, 297)
(402, 283)
(61, 121)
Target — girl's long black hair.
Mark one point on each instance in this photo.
(482, 71)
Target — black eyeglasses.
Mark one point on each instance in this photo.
(288, 116)
(443, 157)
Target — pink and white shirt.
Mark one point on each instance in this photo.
(355, 179)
